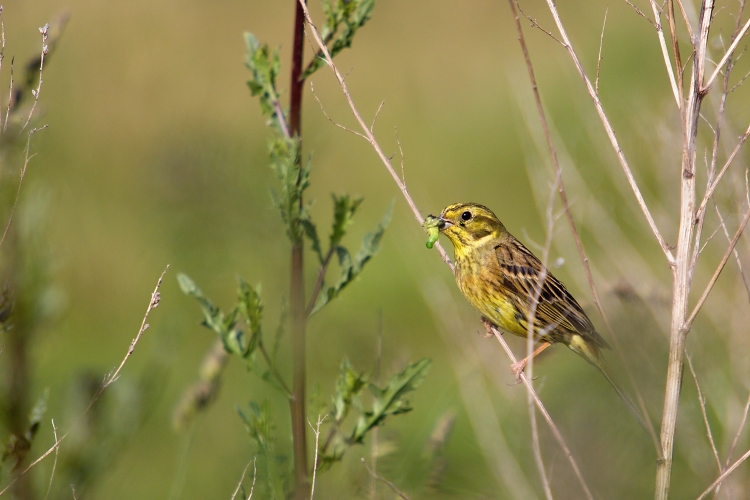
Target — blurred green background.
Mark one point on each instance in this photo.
(156, 154)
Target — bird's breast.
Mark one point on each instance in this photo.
(486, 293)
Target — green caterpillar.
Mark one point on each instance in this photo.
(431, 226)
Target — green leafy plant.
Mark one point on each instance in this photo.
(388, 400)
(240, 329)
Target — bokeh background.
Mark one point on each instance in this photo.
(156, 154)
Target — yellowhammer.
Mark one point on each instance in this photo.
(501, 278)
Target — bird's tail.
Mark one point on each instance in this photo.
(592, 354)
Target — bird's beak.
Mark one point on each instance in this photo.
(444, 223)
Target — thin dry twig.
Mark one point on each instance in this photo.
(369, 137)
(700, 214)
(54, 464)
(734, 443)
(722, 477)
(535, 24)
(739, 432)
(492, 330)
(734, 250)
(385, 481)
(530, 334)
(688, 26)
(599, 59)
(719, 268)
(675, 49)
(401, 150)
(739, 84)
(610, 134)
(10, 94)
(676, 89)
(342, 127)
(375, 118)
(26, 160)
(702, 401)
(316, 430)
(560, 186)
(713, 185)
(726, 56)
(153, 303)
(242, 478)
(640, 13)
(699, 251)
(44, 30)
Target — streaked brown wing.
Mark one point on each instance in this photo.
(557, 311)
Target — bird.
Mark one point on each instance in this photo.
(503, 280)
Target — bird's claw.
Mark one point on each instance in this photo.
(518, 368)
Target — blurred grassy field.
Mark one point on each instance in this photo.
(156, 154)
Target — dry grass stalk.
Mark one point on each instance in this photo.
(109, 380)
(681, 262)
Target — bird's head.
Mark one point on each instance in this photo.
(468, 225)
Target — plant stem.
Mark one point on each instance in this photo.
(681, 269)
(319, 282)
(295, 104)
(273, 370)
(297, 401)
(297, 292)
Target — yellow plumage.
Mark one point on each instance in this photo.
(501, 278)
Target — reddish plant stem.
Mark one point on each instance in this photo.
(297, 284)
(298, 51)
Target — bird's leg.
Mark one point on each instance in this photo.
(517, 368)
(488, 328)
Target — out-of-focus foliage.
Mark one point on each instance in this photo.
(388, 400)
(155, 154)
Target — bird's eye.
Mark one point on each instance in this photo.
(466, 215)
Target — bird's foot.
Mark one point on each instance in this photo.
(518, 368)
(487, 328)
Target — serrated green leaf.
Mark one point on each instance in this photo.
(390, 400)
(351, 269)
(348, 386)
(330, 293)
(187, 285)
(344, 208)
(264, 67)
(312, 234)
(295, 178)
(250, 305)
(213, 318)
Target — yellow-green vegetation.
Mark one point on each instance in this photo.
(156, 154)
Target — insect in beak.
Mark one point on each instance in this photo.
(444, 224)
